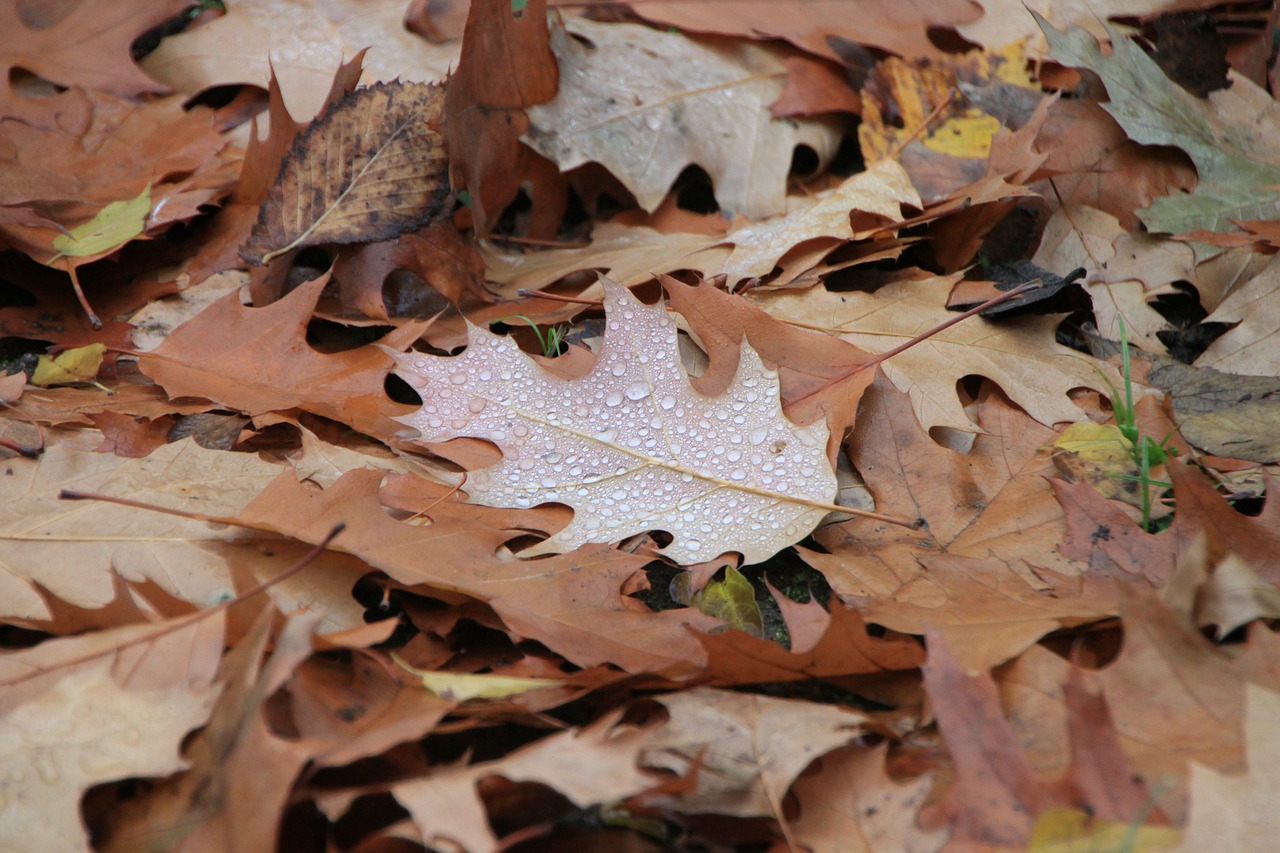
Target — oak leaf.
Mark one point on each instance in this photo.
(1236, 163)
(370, 168)
(1022, 357)
(632, 447)
(1235, 812)
(78, 712)
(301, 41)
(633, 99)
(73, 45)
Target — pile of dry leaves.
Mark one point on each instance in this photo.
(475, 427)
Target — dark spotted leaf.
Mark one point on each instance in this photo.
(371, 168)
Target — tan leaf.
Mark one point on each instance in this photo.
(369, 169)
(1236, 813)
(646, 104)
(1022, 357)
(851, 805)
(303, 41)
(115, 717)
(73, 550)
(632, 447)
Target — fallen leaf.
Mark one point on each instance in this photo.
(845, 648)
(112, 227)
(1233, 813)
(72, 46)
(824, 27)
(617, 445)
(82, 723)
(1233, 161)
(1226, 414)
(69, 367)
(301, 42)
(257, 360)
(1021, 356)
(506, 66)
(732, 601)
(630, 98)
(463, 686)
(369, 169)
(851, 805)
(73, 551)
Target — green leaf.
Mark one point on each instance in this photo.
(733, 601)
(1230, 137)
(115, 225)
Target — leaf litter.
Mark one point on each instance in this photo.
(592, 582)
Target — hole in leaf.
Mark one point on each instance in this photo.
(400, 391)
(326, 336)
(804, 161)
(695, 191)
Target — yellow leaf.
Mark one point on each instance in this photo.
(732, 600)
(115, 225)
(1100, 455)
(1066, 830)
(464, 687)
(67, 368)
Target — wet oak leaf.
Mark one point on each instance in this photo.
(646, 104)
(371, 168)
(632, 447)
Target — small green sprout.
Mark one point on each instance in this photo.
(551, 341)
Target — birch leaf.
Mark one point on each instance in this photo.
(371, 168)
(632, 446)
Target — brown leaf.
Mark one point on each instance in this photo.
(573, 604)
(845, 648)
(257, 360)
(849, 804)
(369, 169)
(71, 46)
(824, 27)
(506, 66)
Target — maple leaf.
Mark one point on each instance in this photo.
(301, 41)
(630, 95)
(632, 446)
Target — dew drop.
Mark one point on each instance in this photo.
(737, 474)
(638, 391)
(618, 369)
(759, 435)
(476, 405)
(692, 544)
(734, 455)
(613, 399)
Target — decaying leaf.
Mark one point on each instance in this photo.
(371, 168)
(633, 99)
(632, 447)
